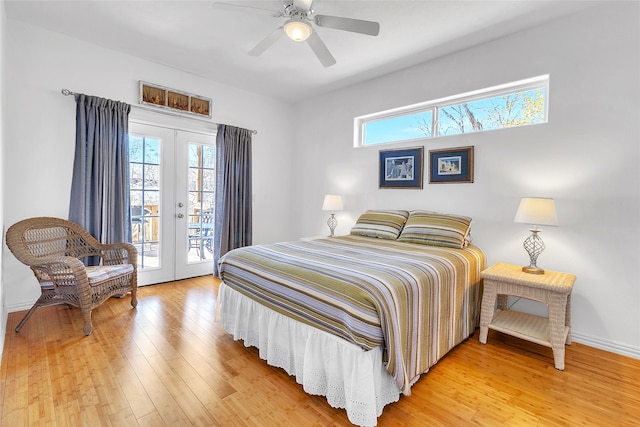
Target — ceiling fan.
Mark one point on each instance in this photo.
(298, 27)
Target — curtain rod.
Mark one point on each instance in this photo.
(67, 92)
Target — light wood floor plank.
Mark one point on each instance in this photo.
(169, 363)
(152, 420)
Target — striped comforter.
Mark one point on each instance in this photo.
(417, 301)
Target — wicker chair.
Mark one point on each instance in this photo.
(54, 247)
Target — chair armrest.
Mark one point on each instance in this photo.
(119, 253)
(62, 271)
(67, 271)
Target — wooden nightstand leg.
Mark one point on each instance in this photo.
(488, 306)
(557, 315)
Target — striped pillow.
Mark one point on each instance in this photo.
(380, 224)
(435, 229)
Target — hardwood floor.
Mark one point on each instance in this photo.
(168, 363)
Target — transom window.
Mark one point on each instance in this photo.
(515, 104)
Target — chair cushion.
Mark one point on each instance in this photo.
(96, 274)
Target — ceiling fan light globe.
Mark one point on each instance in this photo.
(298, 31)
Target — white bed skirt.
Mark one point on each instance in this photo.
(348, 376)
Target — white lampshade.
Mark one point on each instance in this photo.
(537, 211)
(332, 202)
(298, 31)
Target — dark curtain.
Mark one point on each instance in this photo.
(100, 185)
(233, 191)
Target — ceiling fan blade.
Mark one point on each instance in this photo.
(303, 4)
(320, 49)
(239, 7)
(369, 28)
(267, 42)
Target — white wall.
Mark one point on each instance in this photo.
(3, 308)
(39, 132)
(587, 158)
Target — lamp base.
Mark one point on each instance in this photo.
(332, 222)
(534, 247)
(533, 270)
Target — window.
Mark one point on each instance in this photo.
(202, 181)
(399, 128)
(515, 104)
(144, 192)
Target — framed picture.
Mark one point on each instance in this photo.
(451, 165)
(401, 168)
(162, 97)
(153, 95)
(200, 106)
(177, 100)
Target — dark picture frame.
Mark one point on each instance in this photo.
(157, 96)
(401, 168)
(451, 165)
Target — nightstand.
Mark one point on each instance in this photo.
(552, 288)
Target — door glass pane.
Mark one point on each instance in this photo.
(201, 185)
(144, 192)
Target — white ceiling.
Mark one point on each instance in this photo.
(213, 42)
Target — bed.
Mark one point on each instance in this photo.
(357, 318)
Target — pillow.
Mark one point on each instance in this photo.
(436, 229)
(380, 224)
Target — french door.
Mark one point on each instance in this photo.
(172, 191)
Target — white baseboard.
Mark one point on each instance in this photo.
(20, 306)
(612, 346)
(3, 327)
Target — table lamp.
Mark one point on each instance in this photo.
(535, 211)
(332, 203)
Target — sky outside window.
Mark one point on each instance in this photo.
(400, 128)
